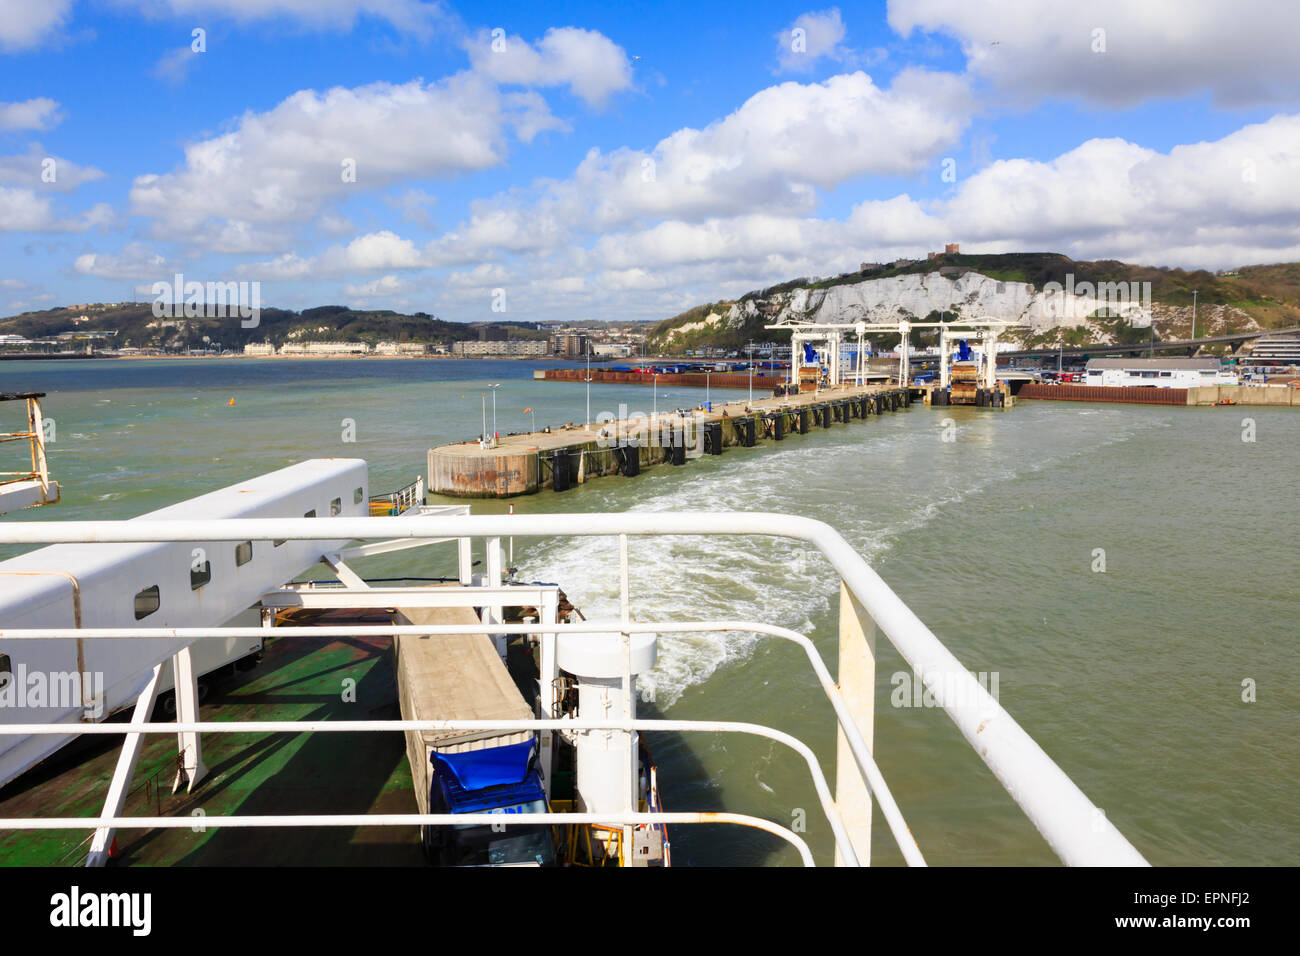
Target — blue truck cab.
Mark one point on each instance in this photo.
(502, 780)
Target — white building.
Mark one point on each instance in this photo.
(1158, 372)
(512, 347)
(259, 348)
(612, 349)
(400, 348)
(324, 348)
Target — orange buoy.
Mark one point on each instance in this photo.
(231, 402)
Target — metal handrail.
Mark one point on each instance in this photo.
(417, 819)
(866, 764)
(354, 726)
(1074, 828)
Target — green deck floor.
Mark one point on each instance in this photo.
(298, 679)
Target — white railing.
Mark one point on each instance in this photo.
(1076, 830)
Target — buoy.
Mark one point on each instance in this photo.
(231, 402)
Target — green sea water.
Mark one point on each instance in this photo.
(1131, 678)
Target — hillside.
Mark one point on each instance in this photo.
(1008, 286)
(137, 327)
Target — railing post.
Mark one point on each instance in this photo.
(496, 613)
(857, 679)
(627, 845)
(549, 671)
(465, 554)
(190, 768)
(102, 841)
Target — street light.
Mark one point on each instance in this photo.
(494, 411)
(589, 382)
(750, 350)
(1194, 313)
(654, 398)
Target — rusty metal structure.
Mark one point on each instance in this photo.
(32, 487)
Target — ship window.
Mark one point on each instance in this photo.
(279, 541)
(6, 670)
(200, 575)
(146, 602)
(243, 553)
(310, 514)
(358, 495)
(336, 506)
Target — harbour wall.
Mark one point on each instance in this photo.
(1202, 395)
(526, 464)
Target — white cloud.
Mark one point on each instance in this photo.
(415, 206)
(40, 113)
(812, 36)
(49, 173)
(286, 164)
(593, 66)
(23, 210)
(773, 152)
(1202, 205)
(1157, 48)
(382, 287)
(25, 24)
(132, 261)
(174, 66)
(373, 252)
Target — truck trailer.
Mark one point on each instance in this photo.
(462, 677)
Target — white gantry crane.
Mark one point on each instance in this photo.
(832, 333)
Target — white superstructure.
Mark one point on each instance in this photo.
(166, 584)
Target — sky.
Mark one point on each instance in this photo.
(579, 161)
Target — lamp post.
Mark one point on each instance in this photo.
(494, 411)
(706, 386)
(654, 399)
(750, 350)
(588, 382)
(483, 396)
(1193, 336)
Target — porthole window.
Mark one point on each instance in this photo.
(310, 514)
(336, 506)
(200, 575)
(358, 495)
(243, 553)
(146, 602)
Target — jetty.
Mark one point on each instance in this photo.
(560, 458)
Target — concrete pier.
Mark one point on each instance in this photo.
(561, 458)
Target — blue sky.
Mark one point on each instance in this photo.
(600, 161)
